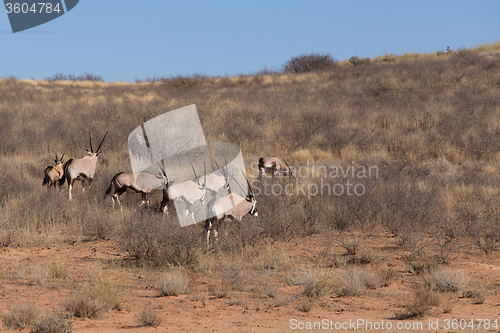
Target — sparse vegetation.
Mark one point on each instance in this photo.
(149, 318)
(52, 324)
(419, 305)
(427, 123)
(355, 280)
(173, 282)
(315, 282)
(446, 279)
(58, 269)
(22, 316)
(83, 306)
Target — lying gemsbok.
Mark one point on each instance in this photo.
(274, 166)
(82, 169)
(143, 183)
(233, 207)
(54, 175)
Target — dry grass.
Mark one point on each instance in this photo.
(52, 324)
(149, 318)
(446, 279)
(355, 280)
(22, 316)
(58, 269)
(419, 305)
(83, 306)
(174, 282)
(315, 282)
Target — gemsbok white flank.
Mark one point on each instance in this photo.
(233, 207)
(187, 192)
(274, 166)
(82, 169)
(54, 175)
(144, 183)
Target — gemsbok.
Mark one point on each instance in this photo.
(54, 175)
(233, 207)
(274, 166)
(144, 183)
(214, 181)
(82, 169)
(187, 192)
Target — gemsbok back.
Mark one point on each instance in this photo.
(233, 207)
(82, 169)
(144, 183)
(54, 175)
(274, 166)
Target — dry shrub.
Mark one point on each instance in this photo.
(149, 318)
(355, 280)
(309, 62)
(58, 269)
(52, 324)
(446, 279)
(22, 316)
(419, 305)
(39, 274)
(315, 282)
(387, 275)
(149, 238)
(419, 267)
(83, 306)
(93, 271)
(106, 292)
(173, 283)
(237, 275)
(272, 259)
(304, 304)
(221, 289)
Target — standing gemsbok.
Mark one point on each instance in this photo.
(233, 207)
(187, 192)
(143, 183)
(216, 180)
(274, 166)
(54, 175)
(82, 169)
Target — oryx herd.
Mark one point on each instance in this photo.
(224, 205)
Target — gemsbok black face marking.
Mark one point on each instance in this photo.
(82, 169)
(233, 207)
(274, 166)
(54, 175)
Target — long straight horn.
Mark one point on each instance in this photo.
(218, 167)
(286, 165)
(248, 183)
(56, 158)
(164, 172)
(62, 157)
(90, 139)
(195, 176)
(205, 169)
(104, 137)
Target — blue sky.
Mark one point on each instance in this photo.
(124, 40)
